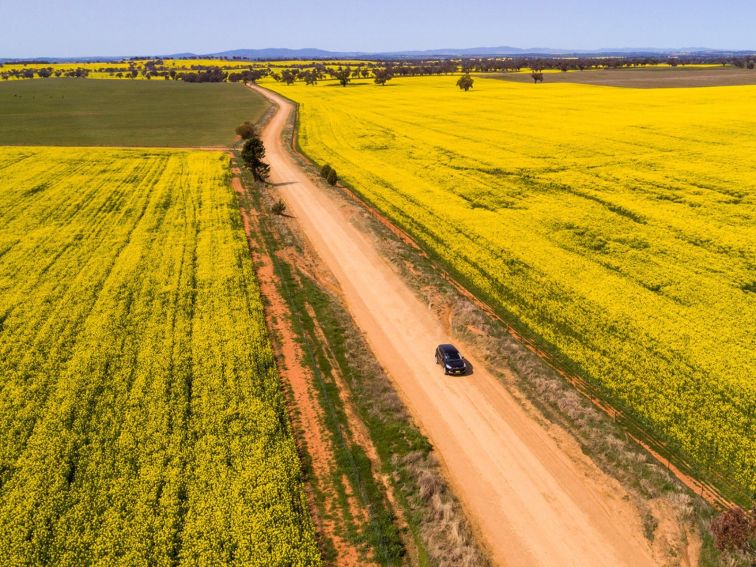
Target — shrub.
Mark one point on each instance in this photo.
(246, 130)
(279, 207)
(332, 178)
(325, 170)
(734, 529)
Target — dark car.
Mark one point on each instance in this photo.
(449, 358)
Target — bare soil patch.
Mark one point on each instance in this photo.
(644, 78)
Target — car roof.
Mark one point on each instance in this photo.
(447, 348)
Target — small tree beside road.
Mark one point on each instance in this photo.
(252, 155)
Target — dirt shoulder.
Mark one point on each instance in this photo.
(313, 439)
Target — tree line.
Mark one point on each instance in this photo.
(381, 72)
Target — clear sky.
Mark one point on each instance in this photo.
(34, 28)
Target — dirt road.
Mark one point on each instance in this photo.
(535, 501)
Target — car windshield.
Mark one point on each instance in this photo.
(453, 355)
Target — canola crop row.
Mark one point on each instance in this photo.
(141, 419)
(618, 226)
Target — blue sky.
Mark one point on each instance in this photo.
(34, 28)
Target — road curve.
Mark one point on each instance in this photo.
(534, 501)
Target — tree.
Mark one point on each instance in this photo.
(343, 75)
(734, 529)
(246, 130)
(310, 77)
(332, 178)
(252, 154)
(537, 76)
(325, 170)
(288, 76)
(382, 75)
(465, 82)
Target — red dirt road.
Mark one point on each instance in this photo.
(534, 498)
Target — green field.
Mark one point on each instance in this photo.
(78, 112)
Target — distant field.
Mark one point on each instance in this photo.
(618, 226)
(141, 417)
(646, 78)
(80, 112)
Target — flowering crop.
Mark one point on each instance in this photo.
(615, 225)
(141, 420)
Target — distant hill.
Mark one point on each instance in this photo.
(312, 53)
(500, 51)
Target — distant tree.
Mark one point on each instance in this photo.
(325, 170)
(252, 154)
(332, 178)
(246, 130)
(288, 76)
(310, 77)
(343, 75)
(734, 529)
(739, 63)
(465, 82)
(537, 76)
(365, 73)
(382, 75)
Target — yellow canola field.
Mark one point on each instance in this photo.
(141, 419)
(615, 225)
